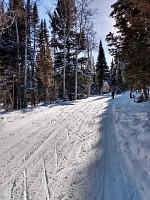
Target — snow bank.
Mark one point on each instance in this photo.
(132, 125)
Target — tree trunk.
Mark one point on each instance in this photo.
(25, 65)
(76, 76)
(18, 62)
(64, 70)
(145, 95)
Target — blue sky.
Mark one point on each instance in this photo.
(102, 22)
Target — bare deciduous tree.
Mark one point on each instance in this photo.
(6, 19)
(83, 19)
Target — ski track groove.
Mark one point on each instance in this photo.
(25, 190)
(36, 152)
(80, 127)
(65, 143)
(121, 182)
(12, 189)
(81, 131)
(53, 130)
(46, 181)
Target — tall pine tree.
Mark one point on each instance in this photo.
(12, 52)
(102, 69)
(62, 23)
(35, 23)
(131, 45)
(45, 67)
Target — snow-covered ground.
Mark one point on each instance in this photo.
(92, 149)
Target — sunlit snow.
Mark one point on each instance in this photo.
(92, 149)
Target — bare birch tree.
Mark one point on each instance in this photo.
(6, 19)
(83, 19)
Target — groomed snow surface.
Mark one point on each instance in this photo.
(92, 149)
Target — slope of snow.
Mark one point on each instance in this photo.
(132, 127)
(92, 149)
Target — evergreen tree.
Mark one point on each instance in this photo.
(35, 23)
(112, 70)
(12, 52)
(131, 46)
(44, 61)
(102, 70)
(62, 22)
(29, 55)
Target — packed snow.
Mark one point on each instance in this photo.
(92, 149)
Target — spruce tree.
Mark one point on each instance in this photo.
(131, 45)
(102, 70)
(35, 23)
(112, 69)
(12, 52)
(62, 23)
(44, 61)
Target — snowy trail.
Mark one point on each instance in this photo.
(64, 151)
(119, 184)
